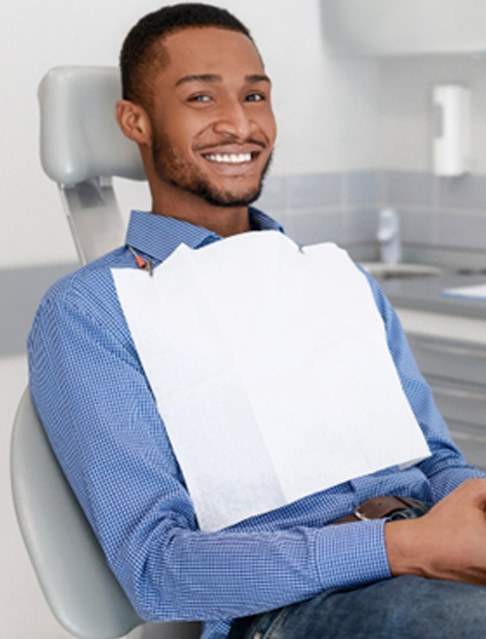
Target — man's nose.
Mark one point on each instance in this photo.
(234, 120)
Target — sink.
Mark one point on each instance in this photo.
(401, 270)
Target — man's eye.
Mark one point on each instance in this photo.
(255, 97)
(200, 98)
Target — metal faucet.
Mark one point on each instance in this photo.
(388, 236)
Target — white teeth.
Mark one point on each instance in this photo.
(229, 158)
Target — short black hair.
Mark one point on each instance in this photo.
(139, 57)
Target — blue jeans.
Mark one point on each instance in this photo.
(405, 607)
(399, 608)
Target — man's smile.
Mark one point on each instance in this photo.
(233, 154)
(228, 158)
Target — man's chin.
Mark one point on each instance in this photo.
(234, 198)
(229, 199)
(232, 203)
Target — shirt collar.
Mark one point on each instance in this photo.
(159, 235)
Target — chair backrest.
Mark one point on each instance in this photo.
(79, 587)
(82, 148)
(77, 583)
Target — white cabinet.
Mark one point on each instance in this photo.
(456, 372)
(394, 27)
(451, 353)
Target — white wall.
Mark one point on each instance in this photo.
(328, 122)
(406, 115)
(326, 110)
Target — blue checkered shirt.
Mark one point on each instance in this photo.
(100, 416)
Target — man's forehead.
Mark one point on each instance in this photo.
(198, 51)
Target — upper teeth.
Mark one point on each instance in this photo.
(232, 158)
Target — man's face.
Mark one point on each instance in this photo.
(213, 128)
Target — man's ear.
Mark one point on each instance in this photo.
(133, 121)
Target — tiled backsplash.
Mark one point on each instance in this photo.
(341, 207)
(439, 216)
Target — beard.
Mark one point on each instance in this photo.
(173, 169)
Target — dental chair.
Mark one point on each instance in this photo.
(81, 149)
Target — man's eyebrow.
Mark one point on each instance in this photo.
(203, 77)
(258, 78)
(212, 77)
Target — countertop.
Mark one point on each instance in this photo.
(424, 309)
(425, 293)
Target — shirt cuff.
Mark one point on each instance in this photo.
(349, 555)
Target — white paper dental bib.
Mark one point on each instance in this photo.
(270, 369)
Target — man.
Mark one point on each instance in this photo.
(197, 101)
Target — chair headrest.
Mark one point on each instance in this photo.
(80, 138)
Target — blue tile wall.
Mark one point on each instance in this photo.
(361, 188)
(465, 192)
(339, 207)
(408, 188)
(437, 212)
(315, 190)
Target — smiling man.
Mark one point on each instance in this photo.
(397, 553)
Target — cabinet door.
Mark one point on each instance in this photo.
(456, 373)
(461, 404)
(471, 441)
(449, 360)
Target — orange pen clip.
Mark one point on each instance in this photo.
(141, 262)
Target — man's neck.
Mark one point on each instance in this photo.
(223, 221)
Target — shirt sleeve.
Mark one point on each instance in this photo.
(101, 419)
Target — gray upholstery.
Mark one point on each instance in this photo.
(80, 589)
(80, 139)
(82, 148)
(74, 576)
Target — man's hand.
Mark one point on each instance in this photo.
(449, 542)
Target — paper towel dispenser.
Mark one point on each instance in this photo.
(397, 27)
(452, 139)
